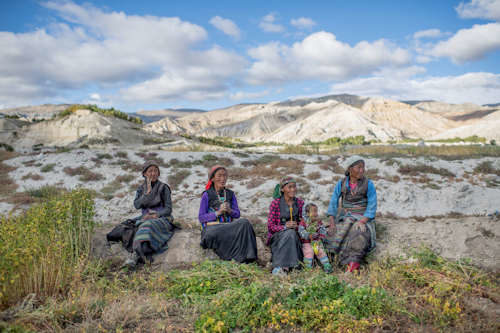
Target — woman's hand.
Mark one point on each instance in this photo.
(148, 185)
(361, 224)
(291, 225)
(332, 228)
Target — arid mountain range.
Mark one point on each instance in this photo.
(294, 121)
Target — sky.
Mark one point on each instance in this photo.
(144, 55)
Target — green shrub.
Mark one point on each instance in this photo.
(42, 248)
(48, 167)
(111, 112)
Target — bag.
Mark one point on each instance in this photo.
(123, 232)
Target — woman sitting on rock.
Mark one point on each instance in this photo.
(155, 226)
(285, 214)
(352, 227)
(223, 231)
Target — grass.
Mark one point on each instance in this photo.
(48, 167)
(33, 176)
(86, 175)
(444, 152)
(413, 170)
(111, 112)
(177, 177)
(428, 293)
(8, 184)
(43, 248)
(486, 167)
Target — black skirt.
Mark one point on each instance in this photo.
(286, 249)
(231, 241)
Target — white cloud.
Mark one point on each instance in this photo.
(303, 23)
(109, 49)
(469, 44)
(429, 33)
(268, 24)
(321, 56)
(485, 9)
(95, 96)
(480, 87)
(226, 26)
(248, 95)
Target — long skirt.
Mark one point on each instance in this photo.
(286, 249)
(155, 231)
(349, 244)
(231, 241)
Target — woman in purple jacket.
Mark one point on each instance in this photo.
(229, 236)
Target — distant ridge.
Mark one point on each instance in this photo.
(351, 100)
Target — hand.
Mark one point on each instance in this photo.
(332, 228)
(148, 185)
(291, 225)
(227, 209)
(361, 225)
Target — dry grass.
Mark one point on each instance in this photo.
(332, 165)
(255, 182)
(86, 175)
(486, 167)
(314, 175)
(128, 165)
(414, 170)
(48, 167)
(121, 154)
(33, 176)
(8, 184)
(444, 152)
(177, 177)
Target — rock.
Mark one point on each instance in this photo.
(183, 250)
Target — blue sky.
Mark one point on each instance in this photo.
(136, 55)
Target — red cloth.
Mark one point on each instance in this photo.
(353, 266)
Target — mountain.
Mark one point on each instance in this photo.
(317, 119)
(149, 116)
(80, 127)
(36, 112)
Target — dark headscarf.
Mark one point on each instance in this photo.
(149, 164)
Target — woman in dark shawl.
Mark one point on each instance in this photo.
(352, 226)
(285, 214)
(231, 237)
(155, 226)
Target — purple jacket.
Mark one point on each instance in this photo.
(205, 215)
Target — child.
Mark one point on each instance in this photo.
(311, 232)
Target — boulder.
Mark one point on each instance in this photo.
(183, 249)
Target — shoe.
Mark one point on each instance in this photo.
(278, 271)
(352, 266)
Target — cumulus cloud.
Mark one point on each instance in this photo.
(429, 33)
(478, 87)
(485, 9)
(303, 23)
(268, 24)
(226, 26)
(321, 56)
(87, 46)
(469, 44)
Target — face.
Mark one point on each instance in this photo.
(220, 178)
(290, 190)
(313, 212)
(152, 173)
(357, 171)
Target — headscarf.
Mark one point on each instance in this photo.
(211, 175)
(148, 164)
(353, 161)
(278, 188)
